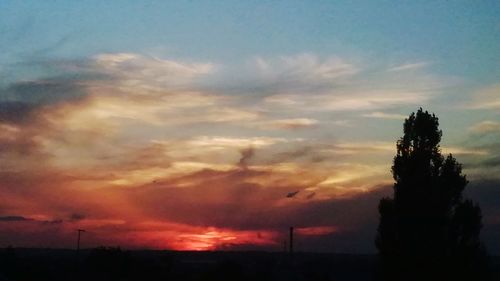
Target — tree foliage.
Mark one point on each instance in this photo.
(428, 231)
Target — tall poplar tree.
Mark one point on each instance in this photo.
(427, 230)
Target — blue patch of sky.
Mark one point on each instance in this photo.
(461, 37)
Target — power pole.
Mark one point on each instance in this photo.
(291, 240)
(78, 241)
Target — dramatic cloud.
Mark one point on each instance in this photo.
(150, 152)
(167, 127)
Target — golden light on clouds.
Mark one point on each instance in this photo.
(171, 154)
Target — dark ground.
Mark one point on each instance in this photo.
(115, 264)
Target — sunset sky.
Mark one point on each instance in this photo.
(184, 125)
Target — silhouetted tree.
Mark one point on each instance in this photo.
(427, 231)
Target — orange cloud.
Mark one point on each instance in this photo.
(147, 155)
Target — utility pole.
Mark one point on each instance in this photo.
(291, 240)
(78, 241)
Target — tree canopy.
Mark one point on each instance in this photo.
(427, 230)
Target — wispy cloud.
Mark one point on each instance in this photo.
(144, 71)
(409, 66)
(485, 127)
(304, 68)
(486, 98)
(224, 142)
(348, 101)
(465, 151)
(383, 115)
(293, 123)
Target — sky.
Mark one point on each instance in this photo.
(203, 125)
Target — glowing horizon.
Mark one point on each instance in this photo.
(218, 126)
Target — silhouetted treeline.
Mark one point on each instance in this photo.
(116, 264)
(428, 231)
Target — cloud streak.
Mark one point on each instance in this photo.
(485, 127)
(409, 66)
(487, 98)
(383, 115)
